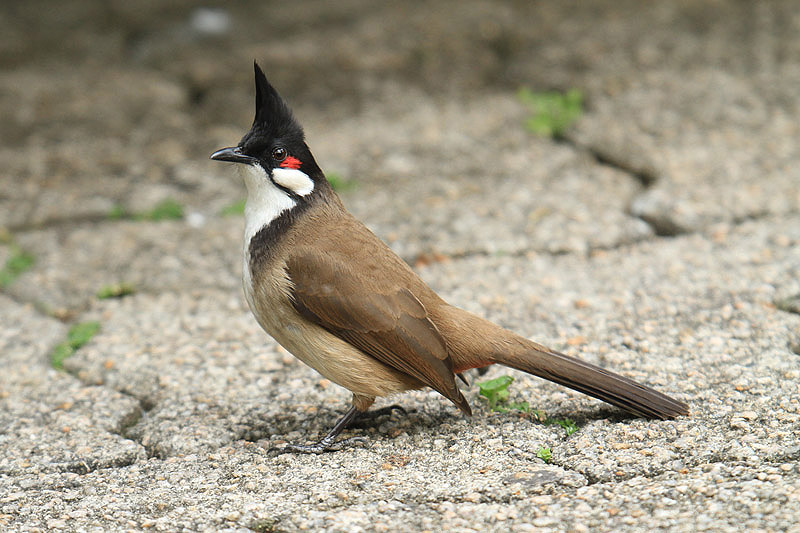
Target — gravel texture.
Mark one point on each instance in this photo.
(660, 237)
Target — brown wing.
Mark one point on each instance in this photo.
(382, 319)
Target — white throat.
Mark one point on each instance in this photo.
(265, 203)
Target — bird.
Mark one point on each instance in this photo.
(339, 299)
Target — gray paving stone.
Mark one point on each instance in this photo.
(196, 361)
(26, 336)
(50, 421)
(238, 487)
(74, 263)
(164, 419)
(459, 178)
(705, 134)
(95, 140)
(200, 374)
(696, 319)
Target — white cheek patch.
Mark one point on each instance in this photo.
(295, 180)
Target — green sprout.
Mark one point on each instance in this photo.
(495, 391)
(233, 209)
(538, 415)
(77, 336)
(18, 262)
(116, 290)
(264, 525)
(569, 425)
(552, 112)
(340, 184)
(117, 212)
(167, 209)
(544, 454)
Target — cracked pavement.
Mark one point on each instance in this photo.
(660, 238)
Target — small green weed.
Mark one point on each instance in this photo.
(496, 393)
(340, 184)
(552, 112)
(539, 415)
(78, 335)
(233, 209)
(167, 209)
(18, 262)
(544, 454)
(264, 525)
(569, 425)
(116, 213)
(117, 290)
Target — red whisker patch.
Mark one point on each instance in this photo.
(290, 162)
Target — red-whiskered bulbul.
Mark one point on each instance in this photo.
(334, 295)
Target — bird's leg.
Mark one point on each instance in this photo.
(326, 443)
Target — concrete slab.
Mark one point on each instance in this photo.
(239, 488)
(198, 372)
(96, 141)
(164, 419)
(450, 178)
(50, 421)
(75, 262)
(696, 317)
(705, 134)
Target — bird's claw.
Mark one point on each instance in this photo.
(317, 448)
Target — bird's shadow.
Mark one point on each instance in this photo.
(392, 421)
(388, 421)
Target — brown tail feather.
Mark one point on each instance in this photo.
(592, 380)
(475, 342)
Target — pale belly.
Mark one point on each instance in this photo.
(329, 355)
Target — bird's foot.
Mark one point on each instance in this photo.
(323, 446)
(328, 442)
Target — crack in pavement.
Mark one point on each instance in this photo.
(125, 423)
(646, 177)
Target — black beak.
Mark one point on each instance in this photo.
(234, 155)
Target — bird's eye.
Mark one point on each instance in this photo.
(279, 154)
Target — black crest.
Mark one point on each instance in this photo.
(274, 119)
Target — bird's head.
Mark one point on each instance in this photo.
(273, 153)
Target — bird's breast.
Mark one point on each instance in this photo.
(337, 360)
